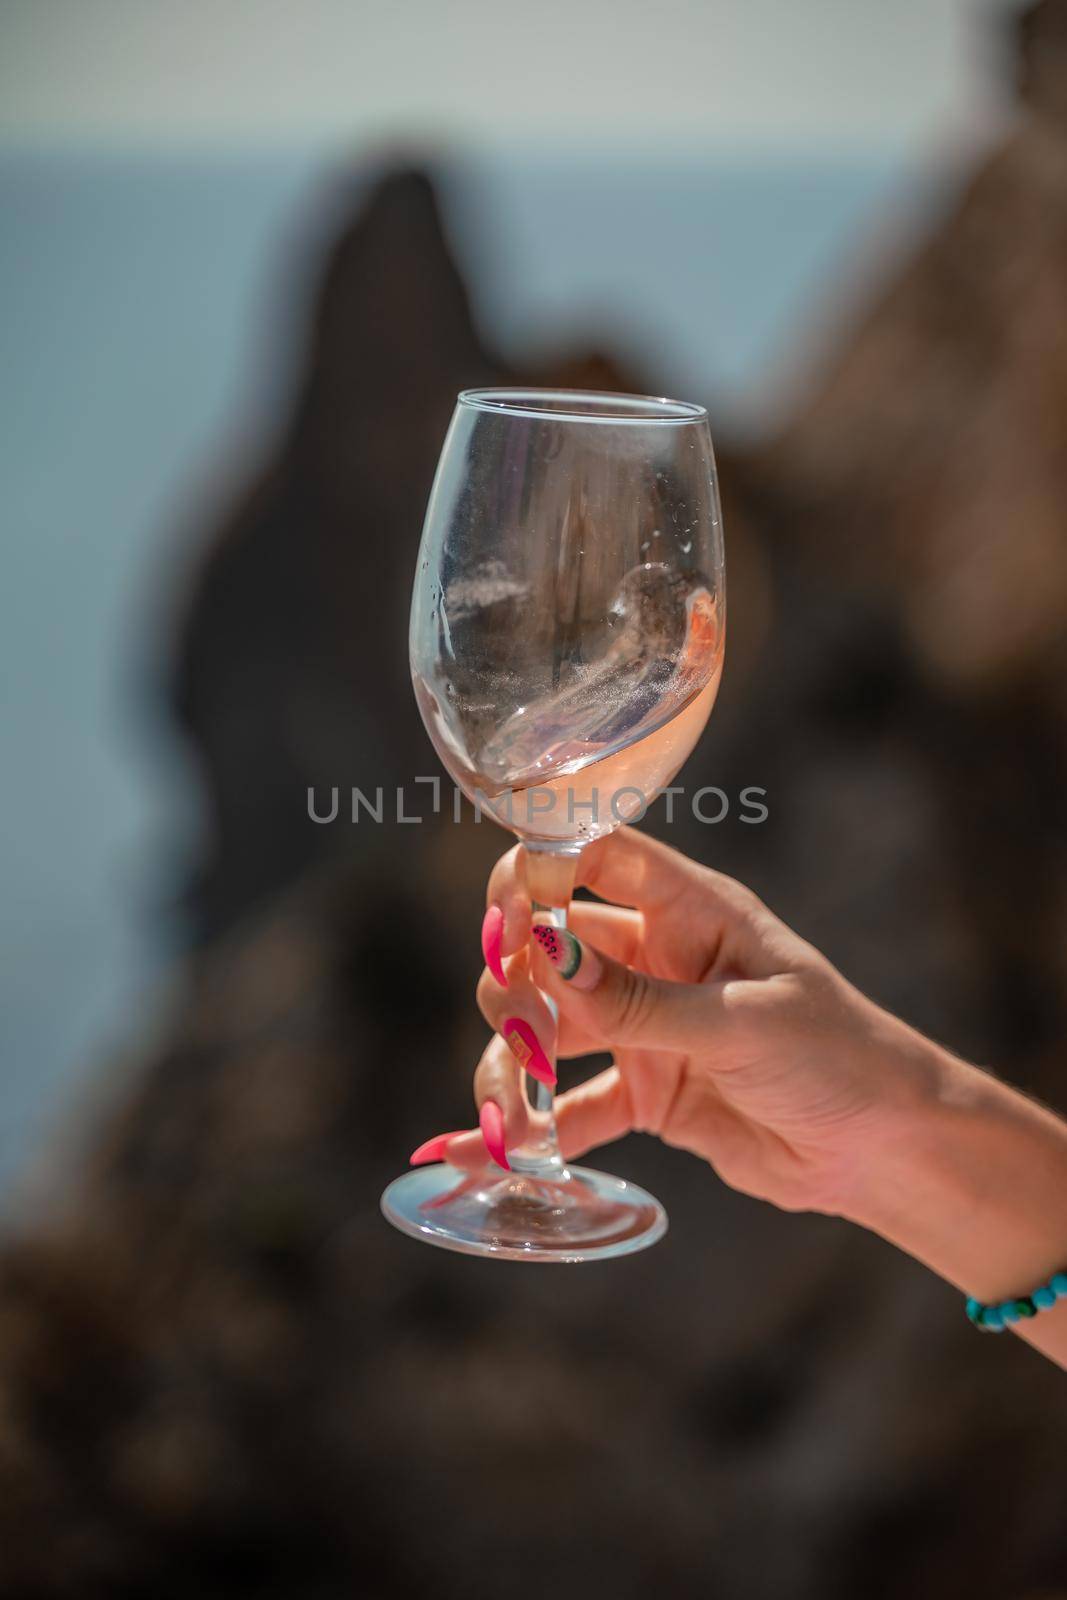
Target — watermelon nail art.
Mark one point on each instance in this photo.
(561, 947)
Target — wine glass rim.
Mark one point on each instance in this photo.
(585, 405)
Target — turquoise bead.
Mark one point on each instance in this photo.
(994, 1319)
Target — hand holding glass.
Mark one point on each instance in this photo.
(567, 631)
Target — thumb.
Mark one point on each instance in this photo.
(620, 1005)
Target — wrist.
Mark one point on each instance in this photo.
(967, 1175)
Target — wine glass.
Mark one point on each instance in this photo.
(567, 630)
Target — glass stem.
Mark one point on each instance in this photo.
(550, 876)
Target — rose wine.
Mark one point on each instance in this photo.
(579, 760)
(602, 793)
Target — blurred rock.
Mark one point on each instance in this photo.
(928, 471)
(292, 665)
(931, 458)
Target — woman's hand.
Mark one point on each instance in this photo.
(731, 1037)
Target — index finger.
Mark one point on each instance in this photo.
(627, 868)
(507, 889)
(633, 869)
(703, 921)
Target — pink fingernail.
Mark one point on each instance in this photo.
(571, 958)
(433, 1149)
(492, 939)
(491, 1122)
(526, 1048)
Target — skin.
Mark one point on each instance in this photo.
(734, 1039)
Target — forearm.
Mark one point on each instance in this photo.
(973, 1182)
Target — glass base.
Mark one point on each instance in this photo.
(575, 1215)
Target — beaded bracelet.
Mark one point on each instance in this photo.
(995, 1318)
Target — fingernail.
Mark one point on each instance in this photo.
(433, 1149)
(571, 958)
(491, 1122)
(492, 939)
(526, 1048)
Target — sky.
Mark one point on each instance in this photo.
(755, 75)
